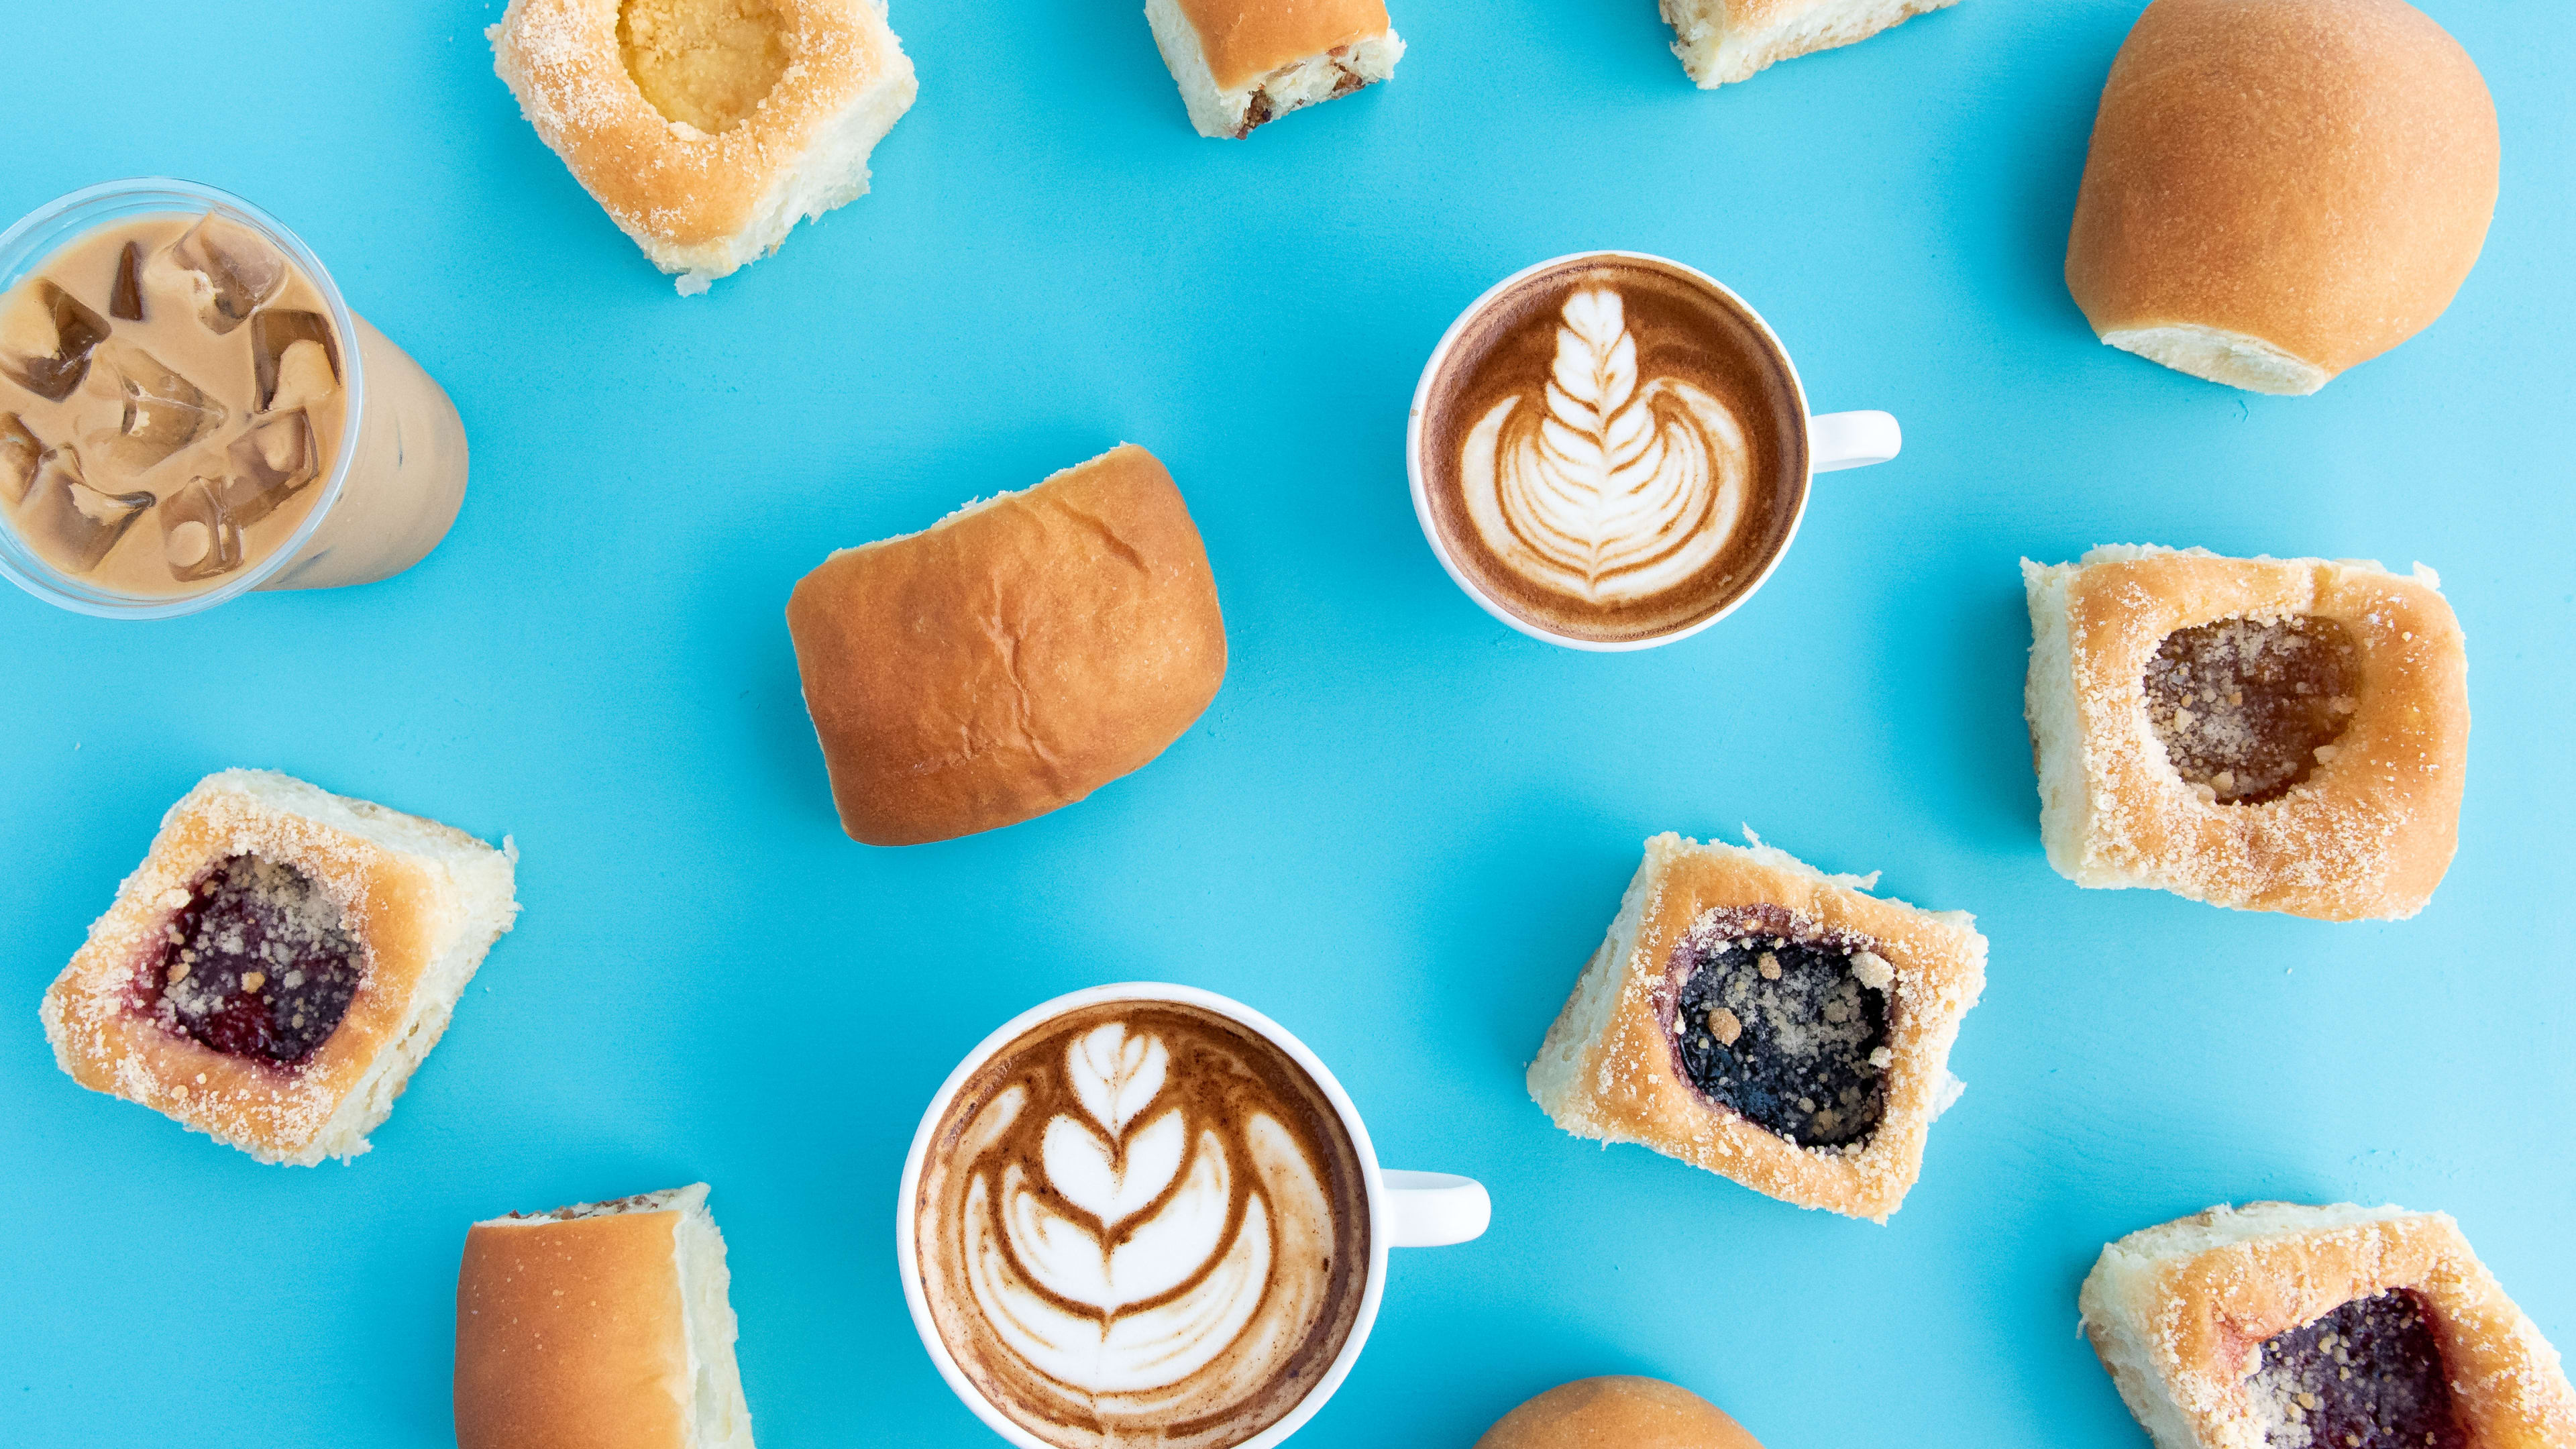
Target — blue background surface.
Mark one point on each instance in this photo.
(1400, 829)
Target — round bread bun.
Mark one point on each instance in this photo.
(1623, 1412)
(2279, 189)
(1013, 658)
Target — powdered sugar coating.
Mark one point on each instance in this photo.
(2368, 834)
(422, 901)
(1607, 1068)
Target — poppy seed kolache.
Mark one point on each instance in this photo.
(1012, 658)
(279, 964)
(1754, 1016)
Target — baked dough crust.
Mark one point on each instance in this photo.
(571, 1330)
(705, 204)
(2181, 1325)
(1245, 40)
(2367, 835)
(1607, 1068)
(407, 913)
(1012, 658)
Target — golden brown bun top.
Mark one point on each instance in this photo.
(1624, 1412)
(570, 1335)
(2315, 173)
(1245, 40)
(1014, 658)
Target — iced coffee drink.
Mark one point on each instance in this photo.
(189, 410)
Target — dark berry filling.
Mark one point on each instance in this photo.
(2247, 708)
(1783, 1023)
(2367, 1376)
(258, 963)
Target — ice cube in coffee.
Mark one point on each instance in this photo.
(180, 363)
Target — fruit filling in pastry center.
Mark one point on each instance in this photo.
(2246, 708)
(2368, 1374)
(1788, 1029)
(258, 963)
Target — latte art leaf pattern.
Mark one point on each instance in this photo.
(1605, 486)
(1144, 1249)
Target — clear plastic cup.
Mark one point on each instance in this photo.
(395, 482)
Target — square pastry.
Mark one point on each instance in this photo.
(1240, 63)
(705, 128)
(2281, 1326)
(1754, 1016)
(278, 965)
(2265, 734)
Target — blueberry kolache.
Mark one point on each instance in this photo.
(1776, 1025)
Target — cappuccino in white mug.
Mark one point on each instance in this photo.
(1611, 448)
(1141, 1223)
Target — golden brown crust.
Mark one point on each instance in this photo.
(572, 1335)
(1620, 1412)
(396, 908)
(2369, 833)
(2317, 174)
(665, 179)
(1245, 40)
(1629, 1088)
(1012, 659)
(2216, 1309)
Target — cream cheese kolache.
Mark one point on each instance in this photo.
(1754, 1016)
(279, 964)
(1241, 63)
(1013, 657)
(705, 128)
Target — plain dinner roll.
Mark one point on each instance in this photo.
(2279, 189)
(1623, 1412)
(1016, 656)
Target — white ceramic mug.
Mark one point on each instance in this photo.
(1406, 1209)
(1834, 441)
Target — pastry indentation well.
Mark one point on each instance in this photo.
(2370, 1373)
(259, 962)
(1783, 1023)
(2248, 708)
(706, 63)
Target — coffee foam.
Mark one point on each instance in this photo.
(1612, 450)
(1141, 1224)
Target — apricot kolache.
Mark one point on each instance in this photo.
(2264, 734)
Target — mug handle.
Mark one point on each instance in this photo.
(1434, 1209)
(1851, 440)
